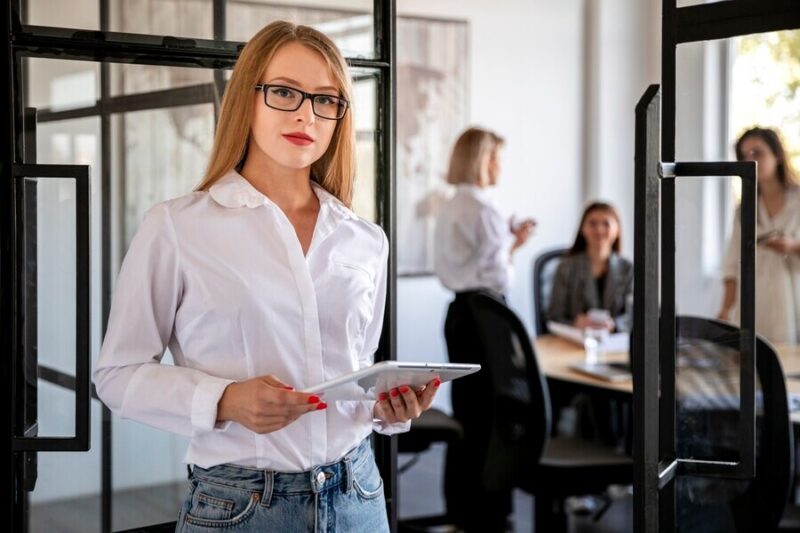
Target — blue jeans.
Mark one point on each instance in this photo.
(345, 497)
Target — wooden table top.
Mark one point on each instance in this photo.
(555, 356)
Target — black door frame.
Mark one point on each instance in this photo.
(103, 46)
(655, 464)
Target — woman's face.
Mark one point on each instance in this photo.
(600, 229)
(493, 167)
(755, 149)
(293, 139)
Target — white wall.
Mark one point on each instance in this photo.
(627, 59)
(531, 53)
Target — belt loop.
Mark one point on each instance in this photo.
(348, 465)
(269, 483)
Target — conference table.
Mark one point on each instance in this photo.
(556, 355)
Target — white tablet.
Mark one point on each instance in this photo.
(367, 383)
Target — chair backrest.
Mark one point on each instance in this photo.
(520, 401)
(544, 271)
(707, 422)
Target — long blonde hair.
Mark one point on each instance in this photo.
(468, 154)
(335, 170)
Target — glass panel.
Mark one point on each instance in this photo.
(724, 88)
(183, 18)
(79, 14)
(49, 215)
(158, 154)
(352, 29)
(364, 109)
(432, 110)
(136, 79)
(55, 85)
(68, 484)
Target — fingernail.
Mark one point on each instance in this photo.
(404, 389)
(383, 396)
(437, 382)
(321, 405)
(313, 399)
(287, 387)
(394, 393)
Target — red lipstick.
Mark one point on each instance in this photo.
(299, 138)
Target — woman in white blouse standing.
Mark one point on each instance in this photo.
(778, 241)
(261, 283)
(473, 245)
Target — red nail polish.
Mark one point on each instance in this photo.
(404, 389)
(287, 387)
(313, 399)
(437, 382)
(383, 396)
(394, 393)
(322, 405)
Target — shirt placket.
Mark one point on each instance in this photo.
(312, 337)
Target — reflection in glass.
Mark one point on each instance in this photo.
(183, 18)
(129, 78)
(160, 154)
(57, 85)
(352, 30)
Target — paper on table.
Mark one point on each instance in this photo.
(614, 342)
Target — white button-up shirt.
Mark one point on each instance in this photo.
(472, 243)
(219, 277)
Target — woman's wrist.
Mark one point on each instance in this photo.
(225, 404)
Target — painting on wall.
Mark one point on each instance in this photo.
(432, 109)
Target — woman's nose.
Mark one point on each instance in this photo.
(306, 112)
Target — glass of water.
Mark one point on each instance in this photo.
(593, 338)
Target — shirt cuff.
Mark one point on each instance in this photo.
(206, 397)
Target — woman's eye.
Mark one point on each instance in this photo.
(326, 100)
(283, 93)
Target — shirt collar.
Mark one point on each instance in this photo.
(480, 193)
(233, 191)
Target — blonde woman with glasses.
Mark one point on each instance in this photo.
(262, 283)
(473, 247)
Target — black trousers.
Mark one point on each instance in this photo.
(471, 506)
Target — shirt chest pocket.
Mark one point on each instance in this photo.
(345, 295)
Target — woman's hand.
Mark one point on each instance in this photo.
(522, 232)
(582, 321)
(782, 244)
(265, 404)
(404, 403)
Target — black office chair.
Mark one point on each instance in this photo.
(433, 426)
(513, 436)
(707, 423)
(544, 271)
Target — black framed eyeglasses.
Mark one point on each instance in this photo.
(285, 98)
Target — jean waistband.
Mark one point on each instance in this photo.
(315, 480)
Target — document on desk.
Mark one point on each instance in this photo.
(614, 342)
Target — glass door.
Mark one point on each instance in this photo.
(114, 107)
(706, 449)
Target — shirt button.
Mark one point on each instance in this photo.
(321, 478)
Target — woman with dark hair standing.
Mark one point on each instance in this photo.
(778, 241)
(593, 275)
